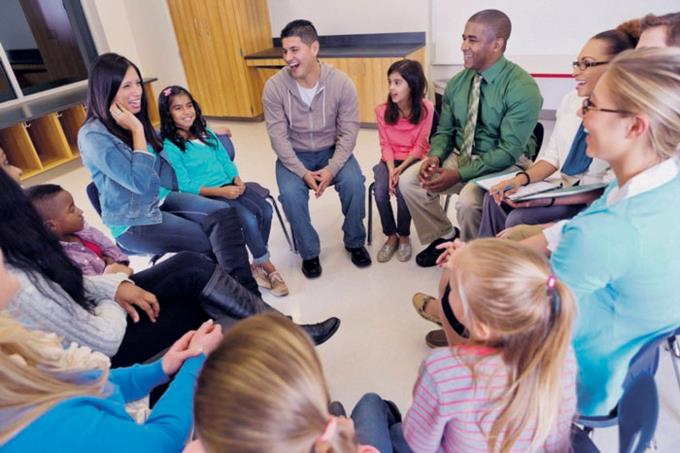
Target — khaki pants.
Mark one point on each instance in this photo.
(428, 214)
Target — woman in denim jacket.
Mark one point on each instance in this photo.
(136, 183)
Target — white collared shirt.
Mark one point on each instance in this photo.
(645, 181)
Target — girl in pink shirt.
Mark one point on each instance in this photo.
(510, 385)
(404, 125)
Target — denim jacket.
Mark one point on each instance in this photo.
(128, 180)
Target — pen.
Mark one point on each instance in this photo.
(505, 189)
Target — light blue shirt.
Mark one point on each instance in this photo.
(621, 258)
(100, 424)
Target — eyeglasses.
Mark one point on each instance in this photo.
(583, 65)
(588, 106)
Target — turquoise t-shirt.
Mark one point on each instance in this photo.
(622, 263)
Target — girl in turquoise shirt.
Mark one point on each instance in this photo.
(203, 167)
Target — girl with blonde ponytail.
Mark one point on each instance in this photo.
(511, 385)
(263, 390)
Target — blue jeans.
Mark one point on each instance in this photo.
(294, 196)
(382, 201)
(255, 214)
(181, 228)
(376, 425)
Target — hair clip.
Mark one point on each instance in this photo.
(167, 92)
(550, 283)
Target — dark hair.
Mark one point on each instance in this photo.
(671, 21)
(412, 72)
(106, 75)
(29, 246)
(168, 127)
(42, 192)
(496, 21)
(301, 28)
(621, 38)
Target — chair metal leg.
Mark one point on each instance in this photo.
(275, 205)
(674, 349)
(446, 203)
(369, 195)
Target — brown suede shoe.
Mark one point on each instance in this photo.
(436, 339)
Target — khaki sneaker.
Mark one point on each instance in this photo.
(277, 285)
(260, 276)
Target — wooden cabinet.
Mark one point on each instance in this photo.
(213, 36)
(43, 143)
(369, 75)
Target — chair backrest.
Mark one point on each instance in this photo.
(435, 123)
(539, 132)
(638, 414)
(228, 145)
(93, 195)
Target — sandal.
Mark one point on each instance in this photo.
(420, 301)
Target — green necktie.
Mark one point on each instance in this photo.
(469, 132)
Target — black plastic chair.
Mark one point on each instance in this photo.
(93, 196)
(539, 132)
(643, 364)
(638, 415)
(259, 189)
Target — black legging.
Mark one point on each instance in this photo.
(177, 283)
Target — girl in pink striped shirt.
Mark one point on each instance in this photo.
(404, 125)
(510, 385)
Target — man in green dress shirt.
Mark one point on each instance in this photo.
(489, 112)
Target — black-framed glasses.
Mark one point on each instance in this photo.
(588, 106)
(583, 65)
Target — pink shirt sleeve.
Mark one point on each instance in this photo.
(422, 143)
(387, 153)
(423, 425)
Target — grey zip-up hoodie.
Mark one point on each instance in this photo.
(331, 120)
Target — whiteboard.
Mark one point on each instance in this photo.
(540, 28)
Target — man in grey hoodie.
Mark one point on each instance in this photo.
(312, 115)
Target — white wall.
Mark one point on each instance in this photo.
(140, 30)
(333, 17)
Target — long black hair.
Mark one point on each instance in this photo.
(412, 72)
(29, 246)
(106, 75)
(168, 127)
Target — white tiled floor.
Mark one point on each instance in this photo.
(380, 344)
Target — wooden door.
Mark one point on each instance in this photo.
(213, 36)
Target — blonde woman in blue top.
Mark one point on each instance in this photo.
(620, 255)
(203, 167)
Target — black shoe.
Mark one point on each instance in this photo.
(311, 267)
(428, 257)
(336, 408)
(322, 331)
(360, 256)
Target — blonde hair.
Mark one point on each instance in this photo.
(647, 82)
(263, 389)
(505, 287)
(33, 380)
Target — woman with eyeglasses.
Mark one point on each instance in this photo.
(564, 159)
(621, 256)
